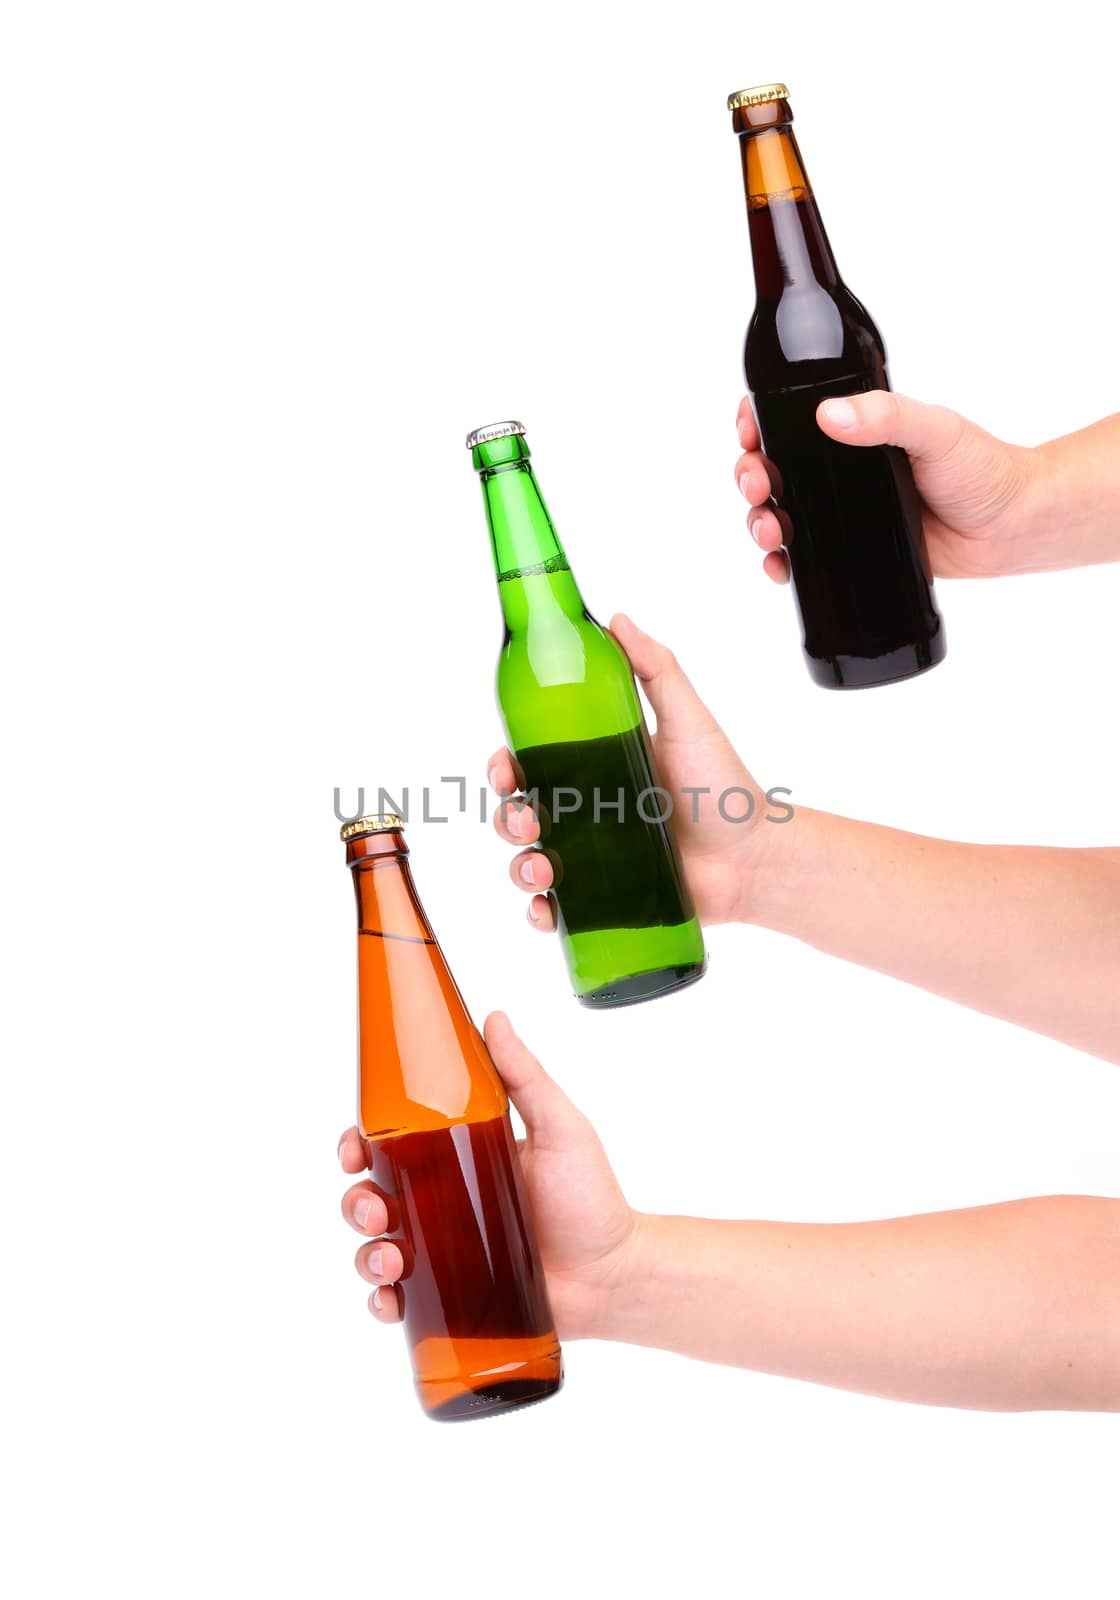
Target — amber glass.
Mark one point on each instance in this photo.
(436, 1120)
(850, 515)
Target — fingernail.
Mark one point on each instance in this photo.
(743, 476)
(492, 777)
(532, 913)
(341, 1142)
(841, 413)
(373, 1262)
(375, 1299)
(362, 1210)
(513, 816)
(526, 872)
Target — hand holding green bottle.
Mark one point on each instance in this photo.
(574, 722)
(698, 765)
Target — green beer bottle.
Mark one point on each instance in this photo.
(575, 726)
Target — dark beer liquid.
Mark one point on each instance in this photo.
(854, 544)
(476, 1312)
(851, 515)
(618, 871)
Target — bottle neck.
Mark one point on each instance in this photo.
(529, 561)
(388, 905)
(422, 1064)
(788, 243)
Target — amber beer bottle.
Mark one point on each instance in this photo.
(850, 514)
(436, 1120)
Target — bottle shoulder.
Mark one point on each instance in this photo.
(422, 1062)
(549, 629)
(811, 334)
(558, 682)
(553, 649)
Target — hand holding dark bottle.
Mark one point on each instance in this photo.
(989, 509)
(985, 510)
(859, 571)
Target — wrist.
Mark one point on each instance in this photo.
(626, 1297)
(1039, 496)
(768, 868)
(1066, 510)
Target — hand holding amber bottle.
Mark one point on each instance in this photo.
(435, 1130)
(582, 1222)
(980, 1308)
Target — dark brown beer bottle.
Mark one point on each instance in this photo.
(442, 1154)
(851, 514)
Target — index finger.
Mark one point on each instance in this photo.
(500, 773)
(352, 1151)
(747, 426)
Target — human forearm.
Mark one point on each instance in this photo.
(1026, 933)
(1074, 500)
(1004, 1308)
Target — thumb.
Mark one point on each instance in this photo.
(549, 1116)
(882, 417)
(680, 712)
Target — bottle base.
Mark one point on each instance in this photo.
(643, 986)
(495, 1399)
(871, 672)
(461, 1378)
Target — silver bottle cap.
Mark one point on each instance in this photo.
(494, 430)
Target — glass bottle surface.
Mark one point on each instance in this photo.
(442, 1154)
(575, 725)
(851, 515)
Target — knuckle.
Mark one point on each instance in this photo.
(878, 407)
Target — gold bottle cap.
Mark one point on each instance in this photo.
(757, 96)
(376, 822)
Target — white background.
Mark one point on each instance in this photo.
(265, 265)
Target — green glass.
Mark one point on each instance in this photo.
(575, 724)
